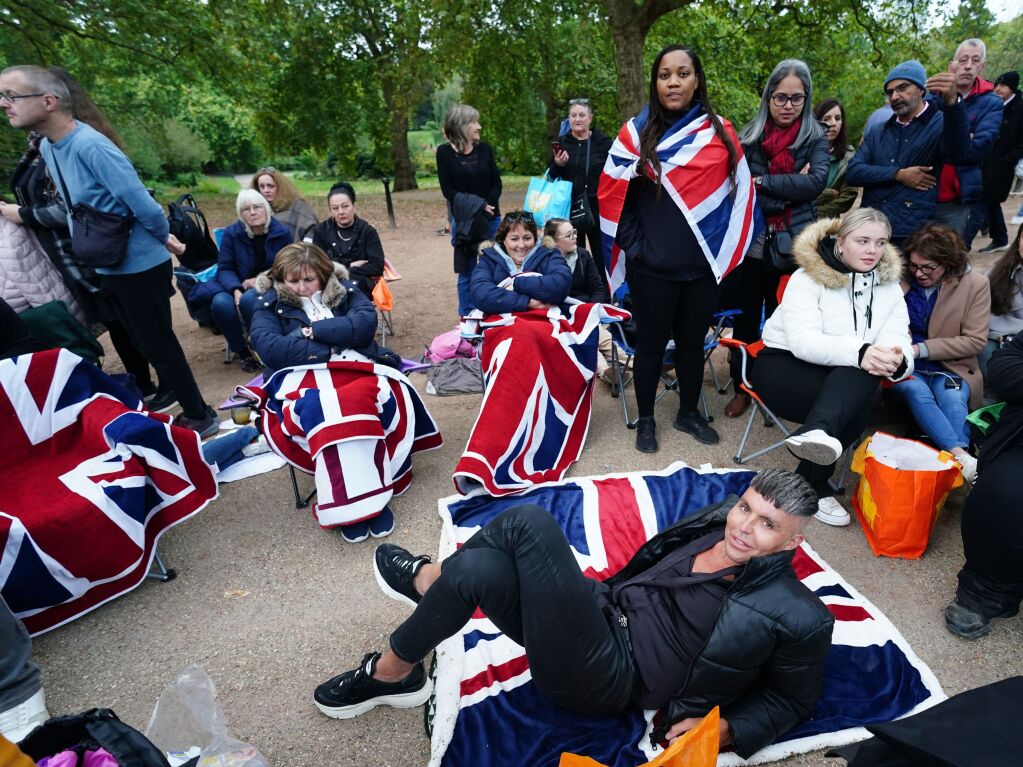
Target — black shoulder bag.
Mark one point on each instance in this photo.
(581, 216)
(98, 238)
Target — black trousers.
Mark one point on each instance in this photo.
(142, 304)
(991, 581)
(753, 288)
(520, 571)
(664, 309)
(836, 400)
(592, 238)
(133, 360)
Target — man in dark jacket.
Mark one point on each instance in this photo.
(899, 163)
(707, 613)
(1000, 167)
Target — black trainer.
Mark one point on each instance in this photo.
(206, 426)
(695, 424)
(968, 624)
(355, 692)
(161, 402)
(646, 434)
(395, 569)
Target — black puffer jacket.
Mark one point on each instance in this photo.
(763, 663)
(1005, 376)
(583, 175)
(798, 190)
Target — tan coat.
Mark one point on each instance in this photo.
(958, 328)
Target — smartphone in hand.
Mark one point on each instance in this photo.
(556, 147)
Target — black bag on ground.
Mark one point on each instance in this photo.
(189, 225)
(98, 238)
(95, 727)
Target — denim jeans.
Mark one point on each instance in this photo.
(953, 215)
(225, 314)
(227, 450)
(19, 676)
(939, 411)
(520, 571)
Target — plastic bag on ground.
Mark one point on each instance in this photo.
(187, 716)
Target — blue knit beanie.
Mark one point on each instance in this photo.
(911, 70)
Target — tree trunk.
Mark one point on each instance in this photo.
(401, 158)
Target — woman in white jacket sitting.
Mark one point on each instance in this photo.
(841, 329)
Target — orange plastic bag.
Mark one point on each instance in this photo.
(382, 296)
(903, 485)
(697, 748)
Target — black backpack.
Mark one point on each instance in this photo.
(188, 224)
(97, 727)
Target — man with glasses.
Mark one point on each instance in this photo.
(899, 162)
(94, 172)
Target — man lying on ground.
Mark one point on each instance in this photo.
(707, 613)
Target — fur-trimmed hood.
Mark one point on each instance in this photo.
(333, 292)
(806, 250)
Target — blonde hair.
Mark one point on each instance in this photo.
(287, 192)
(248, 197)
(291, 259)
(860, 217)
(456, 125)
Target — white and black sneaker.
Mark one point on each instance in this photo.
(355, 692)
(395, 569)
(816, 446)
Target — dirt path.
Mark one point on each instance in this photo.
(311, 608)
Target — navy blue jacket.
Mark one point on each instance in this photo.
(551, 286)
(941, 134)
(276, 330)
(984, 115)
(237, 261)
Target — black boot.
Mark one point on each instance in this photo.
(646, 435)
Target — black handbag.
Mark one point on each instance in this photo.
(581, 215)
(778, 255)
(98, 239)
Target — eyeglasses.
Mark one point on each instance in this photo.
(796, 99)
(900, 89)
(267, 169)
(924, 270)
(520, 217)
(574, 102)
(252, 208)
(14, 98)
(570, 234)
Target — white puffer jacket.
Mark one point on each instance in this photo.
(826, 317)
(27, 277)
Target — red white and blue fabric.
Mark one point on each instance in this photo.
(90, 483)
(538, 388)
(489, 713)
(354, 425)
(694, 173)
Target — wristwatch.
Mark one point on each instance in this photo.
(758, 181)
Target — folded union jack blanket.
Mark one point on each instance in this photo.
(489, 714)
(355, 425)
(538, 375)
(89, 484)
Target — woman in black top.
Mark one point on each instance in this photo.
(581, 159)
(471, 184)
(349, 240)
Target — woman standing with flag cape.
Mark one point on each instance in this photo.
(677, 213)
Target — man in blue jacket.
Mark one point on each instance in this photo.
(97, 173)
(899, 162)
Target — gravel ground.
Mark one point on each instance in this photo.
(270, 605)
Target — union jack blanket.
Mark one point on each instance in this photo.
(694, 173)
(355, 425)
(90, 484)
(538, 387)
(489, 714)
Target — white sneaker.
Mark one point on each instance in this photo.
(830, 512)
(968, 466)
(16, 723)
(816, 446)
(256, 448)
(1016, 220)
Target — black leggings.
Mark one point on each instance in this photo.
(754, 289)
(836, 400)
(664, 309)
(520, 571)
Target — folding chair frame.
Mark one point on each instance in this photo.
(159, 571)
(300, 501)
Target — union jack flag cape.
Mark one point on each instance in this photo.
(489, 713)
(694, 173)
(354, 425)
(538, 388)
(90, 483)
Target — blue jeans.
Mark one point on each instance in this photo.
(225, 314)
(954, 215)
(227, 450)
(939, 411)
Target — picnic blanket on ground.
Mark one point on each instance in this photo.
(538, 387)
(89, 486)
(489, 714)
(354, 425)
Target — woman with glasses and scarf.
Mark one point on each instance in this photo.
(287, 204)
(949, 311)
(787, 151)
(579, 156)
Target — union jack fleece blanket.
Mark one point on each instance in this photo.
(90, 484)
(489, 714)
(538, 388)
(354, 425)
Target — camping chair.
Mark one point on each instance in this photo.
(384, 300)
(748, 352)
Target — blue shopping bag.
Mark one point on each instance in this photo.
(548, 198)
